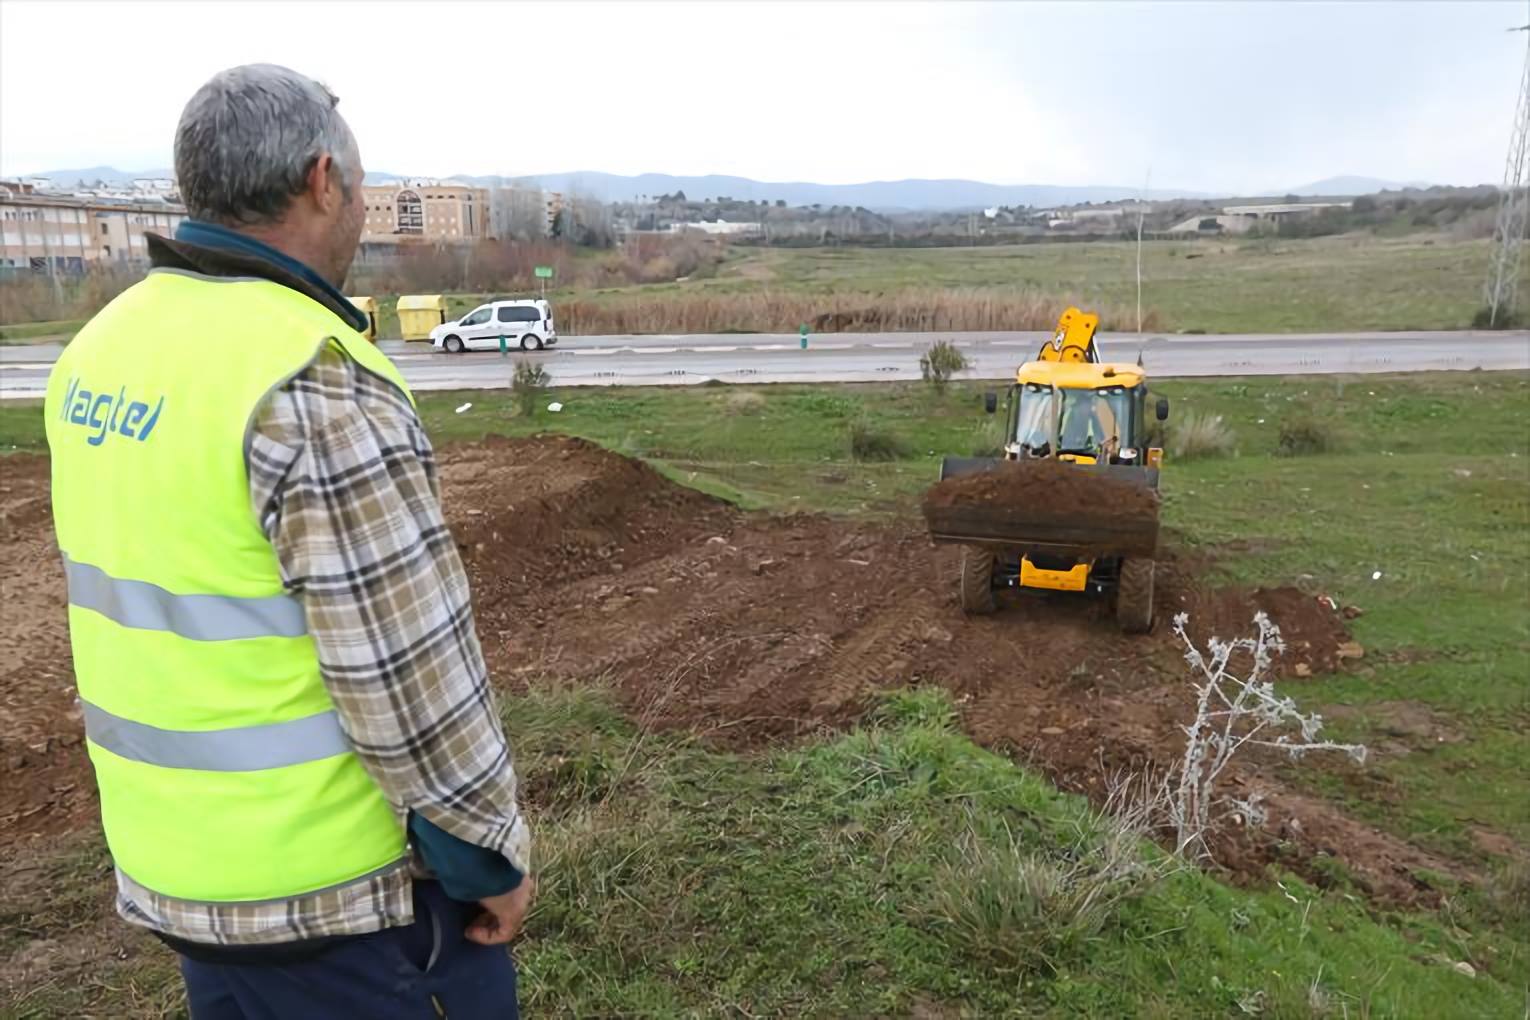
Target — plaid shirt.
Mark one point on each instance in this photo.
(343, 479)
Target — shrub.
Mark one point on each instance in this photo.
(1506, 319)
(1507, 895)
(1303, 435)
(941, 362)
(34, 298)
(988, 437)
(920, 309)
(870, 442)
(1197, 436)
(745, 402)
(1022, 910)
(1236, 706)
(528, 385)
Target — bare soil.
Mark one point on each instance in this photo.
(748, 628)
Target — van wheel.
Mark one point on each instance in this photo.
(1134, 596)
(453, 345)
(531, 342)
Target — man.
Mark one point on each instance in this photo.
(1088, 426)
(281, 684)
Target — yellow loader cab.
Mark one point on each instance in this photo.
(1070, 407)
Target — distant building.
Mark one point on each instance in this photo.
(1240, 219)
(156, 186)
(1090, 218)
(717, 227)
(66, 231)
(425, 210)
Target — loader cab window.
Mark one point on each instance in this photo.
(1033, 420)
(1096, 423)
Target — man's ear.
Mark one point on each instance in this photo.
(324, 185)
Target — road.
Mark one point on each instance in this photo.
(884, 357)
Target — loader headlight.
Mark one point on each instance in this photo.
(1128, 454)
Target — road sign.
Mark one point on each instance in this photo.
(543, 272)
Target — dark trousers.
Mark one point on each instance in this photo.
(394, 974)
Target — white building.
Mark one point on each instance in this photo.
(718, 227)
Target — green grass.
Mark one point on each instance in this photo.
(1349, 282)
(682, 879)
(39, 332)
(836, 879)
(809, 880)
(1353, 282)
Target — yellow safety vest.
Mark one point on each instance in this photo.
(223, 771)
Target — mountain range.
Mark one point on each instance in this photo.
(915, 194)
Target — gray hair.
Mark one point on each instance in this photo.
(248, 139)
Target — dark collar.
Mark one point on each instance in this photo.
(211, 254)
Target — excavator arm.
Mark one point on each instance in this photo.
(1074, 339)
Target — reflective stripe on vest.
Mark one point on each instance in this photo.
(198, 617)
(242, 749)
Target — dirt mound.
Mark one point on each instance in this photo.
(1314, 634)
(590, 567)
(530, 514)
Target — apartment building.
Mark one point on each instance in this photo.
(61, 231)
(424, 210)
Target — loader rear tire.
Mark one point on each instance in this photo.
(1134, 596)
(977, 582)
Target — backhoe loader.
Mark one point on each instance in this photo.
(1029, 522)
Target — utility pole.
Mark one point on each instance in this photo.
(1141, 212)
(1513, 207)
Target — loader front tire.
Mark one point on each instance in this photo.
(977, 582)
(1134, 596)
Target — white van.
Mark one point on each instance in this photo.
(527, 325)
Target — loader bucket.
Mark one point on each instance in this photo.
(1045, 506)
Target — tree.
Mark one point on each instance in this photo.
(780, 203)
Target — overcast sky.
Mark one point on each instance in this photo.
(1222, 97)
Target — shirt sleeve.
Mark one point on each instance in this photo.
(343, 480)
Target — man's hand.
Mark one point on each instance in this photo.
(502, 915)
